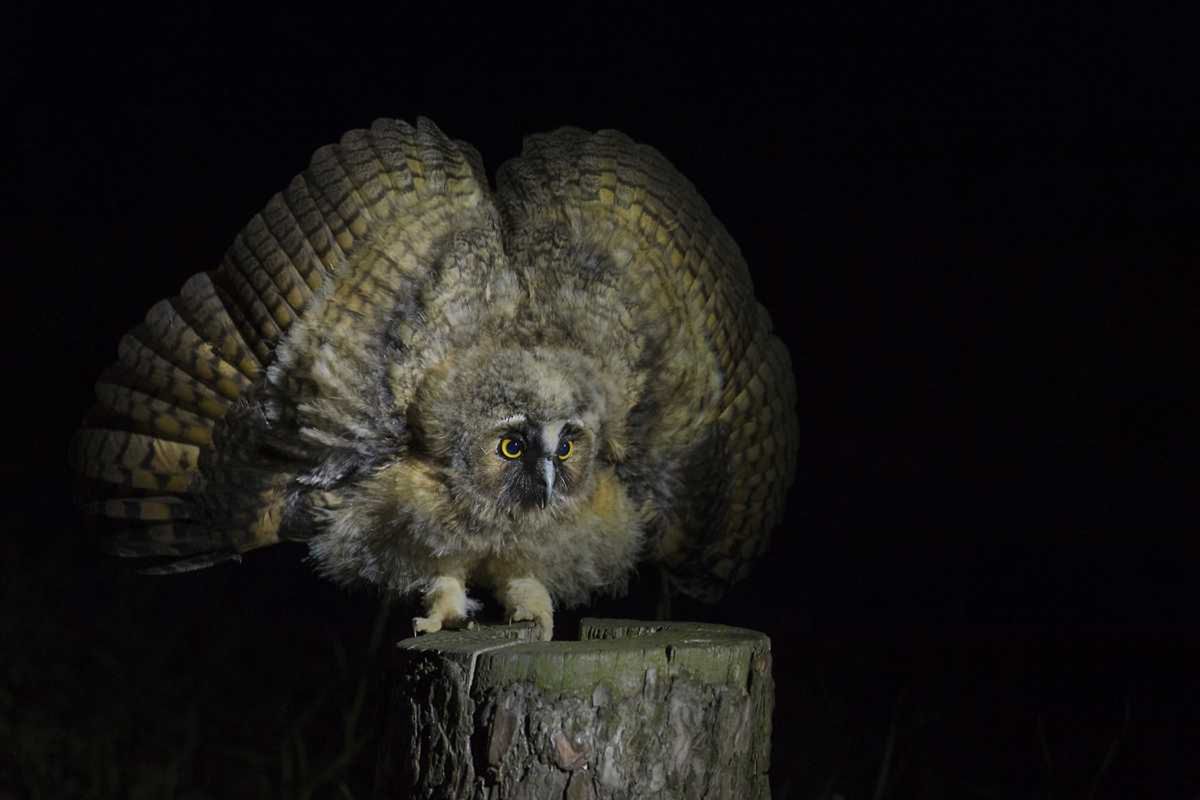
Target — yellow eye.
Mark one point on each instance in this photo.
(565, 448)
(511, 448)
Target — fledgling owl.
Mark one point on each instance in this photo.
(440, 385)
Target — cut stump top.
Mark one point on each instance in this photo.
(614, 655)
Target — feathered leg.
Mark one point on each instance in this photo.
(446, 606)
(527, 599)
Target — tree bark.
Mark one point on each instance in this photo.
(658, 710)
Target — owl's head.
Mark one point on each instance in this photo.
(516, 431)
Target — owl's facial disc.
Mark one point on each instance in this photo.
(516, 429)
(535, 457)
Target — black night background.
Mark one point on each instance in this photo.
(975, 230)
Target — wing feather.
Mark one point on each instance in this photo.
(718, 415)
(267, 371)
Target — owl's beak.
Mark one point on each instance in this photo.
(547, 482)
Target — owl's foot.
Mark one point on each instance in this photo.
(527, 599)
(446, 606)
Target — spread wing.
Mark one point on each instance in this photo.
(268, 373)
(715, 428)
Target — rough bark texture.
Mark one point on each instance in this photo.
(634, 710)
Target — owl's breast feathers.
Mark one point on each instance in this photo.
(283, 395)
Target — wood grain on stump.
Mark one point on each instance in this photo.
(632, 710)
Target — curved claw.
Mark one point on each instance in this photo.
(527, 599)
(545, 622)
(446, 606)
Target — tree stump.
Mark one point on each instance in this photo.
(632, 710)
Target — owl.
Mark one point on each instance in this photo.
(446, 386)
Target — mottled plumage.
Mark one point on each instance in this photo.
(441, 386)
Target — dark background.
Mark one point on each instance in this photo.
(975, 231)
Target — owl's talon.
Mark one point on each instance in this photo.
(545, 624)
(446, 605)
(527, 600)
(432, 624)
